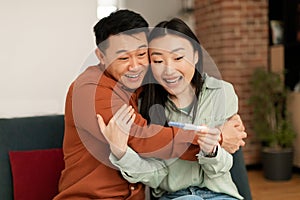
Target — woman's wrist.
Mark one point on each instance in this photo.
(118, 152)
(211, 154)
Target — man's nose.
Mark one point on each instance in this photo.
(133, 63)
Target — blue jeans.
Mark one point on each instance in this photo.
(196, 193)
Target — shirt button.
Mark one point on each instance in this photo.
(194, 179)
(132, 188)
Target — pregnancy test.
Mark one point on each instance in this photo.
(187, 126)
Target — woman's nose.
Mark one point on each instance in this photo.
(169, 69)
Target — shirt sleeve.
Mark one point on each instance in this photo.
(218, 165)
(231, 100)
(134, 168)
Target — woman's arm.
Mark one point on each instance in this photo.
(149, 171)
(214, 160)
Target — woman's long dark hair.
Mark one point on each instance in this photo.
(154, 95)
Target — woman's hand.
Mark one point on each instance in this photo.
(208, 139)
(233, 134)
(116, 132)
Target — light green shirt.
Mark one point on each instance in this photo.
(217, 103)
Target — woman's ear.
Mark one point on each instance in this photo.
(100, 56)
(196, 57)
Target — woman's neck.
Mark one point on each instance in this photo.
(184, 99)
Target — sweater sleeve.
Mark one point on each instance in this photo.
(90, 96)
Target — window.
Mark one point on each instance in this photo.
(105, 7)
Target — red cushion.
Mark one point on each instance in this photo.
(36, 173)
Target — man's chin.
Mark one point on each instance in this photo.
(133, 86)
(130, 87)
(132, 83)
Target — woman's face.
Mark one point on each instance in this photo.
(173, 63)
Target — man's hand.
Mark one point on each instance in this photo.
(233, 134)
(116, 132)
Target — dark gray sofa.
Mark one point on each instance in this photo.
(46, 132)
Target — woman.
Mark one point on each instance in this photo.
(186, 95)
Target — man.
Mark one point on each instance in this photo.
(122, 51)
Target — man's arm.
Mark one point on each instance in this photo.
(149, 141)
(88, 97)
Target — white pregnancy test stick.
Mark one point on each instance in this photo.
(187, 126)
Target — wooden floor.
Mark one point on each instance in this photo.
(263, 189)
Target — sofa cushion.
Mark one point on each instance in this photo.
(26, 133)
(36, 173)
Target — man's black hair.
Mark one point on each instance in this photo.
(121, 21)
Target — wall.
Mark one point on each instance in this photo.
(155, 10)
(235, 33)
(43, 47)
(46, 44)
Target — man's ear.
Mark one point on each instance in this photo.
(100, 56)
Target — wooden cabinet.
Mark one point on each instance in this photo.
(277, 59)
(294, 108)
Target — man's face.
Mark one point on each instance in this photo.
(126, 58)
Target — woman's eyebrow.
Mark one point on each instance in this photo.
(173, 51)
(177, 49)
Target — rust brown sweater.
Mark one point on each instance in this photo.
(88, 173)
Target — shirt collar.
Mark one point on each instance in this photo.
(211, 82)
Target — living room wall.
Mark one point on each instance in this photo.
(235, 33)
(43, 46)
(46, 44)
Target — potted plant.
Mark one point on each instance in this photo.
(271, 124)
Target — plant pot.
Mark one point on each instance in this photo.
(277, 164)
